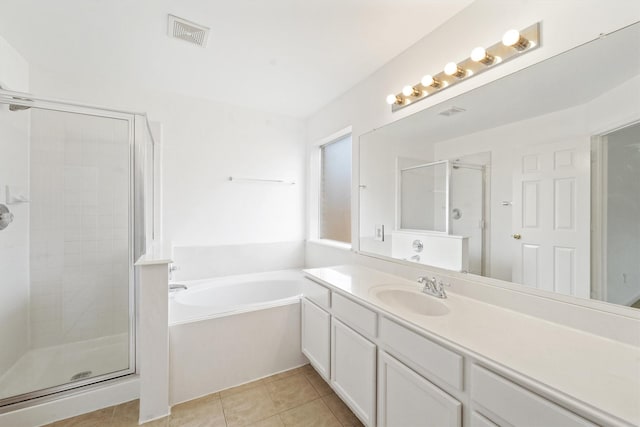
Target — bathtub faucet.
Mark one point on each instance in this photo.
(174, 287)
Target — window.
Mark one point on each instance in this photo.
(335, 190)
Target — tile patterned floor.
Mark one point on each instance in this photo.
(299, 397)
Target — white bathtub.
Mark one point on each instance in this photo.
(221, 296)
(231, 330)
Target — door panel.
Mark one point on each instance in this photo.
(551, 184)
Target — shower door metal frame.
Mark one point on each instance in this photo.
(24, 99)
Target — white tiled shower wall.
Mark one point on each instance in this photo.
(14, 240)
(79, 227)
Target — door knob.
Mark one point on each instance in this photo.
(516, 236)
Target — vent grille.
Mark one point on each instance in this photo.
(188, 31)
(451, 111)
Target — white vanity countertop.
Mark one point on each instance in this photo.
(581, 367)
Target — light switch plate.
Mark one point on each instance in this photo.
(379, 232)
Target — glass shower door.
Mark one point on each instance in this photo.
(66, 257)
(424, 197)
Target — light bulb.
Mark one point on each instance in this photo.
(392, 99)
(479, 54)
(512, 38)
(428, 80)
(411, 91)
(452, 69)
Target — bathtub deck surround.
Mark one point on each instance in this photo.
(153, 331)
(298, 397)
(481, 350)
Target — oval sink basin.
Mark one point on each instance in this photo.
(412, 301)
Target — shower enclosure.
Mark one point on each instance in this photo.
(76, 198)
(467, 212)
(446, 197)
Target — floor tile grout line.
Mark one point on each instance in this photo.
(296, 406)
(332, 413)
(336, 415)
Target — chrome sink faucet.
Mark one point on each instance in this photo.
(432, 286)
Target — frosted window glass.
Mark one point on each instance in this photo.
(335, 191)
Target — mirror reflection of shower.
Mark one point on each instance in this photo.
(450, 197)
(616, 209)
(468, 205)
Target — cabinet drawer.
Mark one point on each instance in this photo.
(316, 293)
(516, 405)
(354, 315)
(428, 358)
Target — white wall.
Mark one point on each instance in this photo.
(381, 161)
(203, 144)
(14, 240)
(565, 24)
(14, 69)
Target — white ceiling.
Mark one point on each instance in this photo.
(285, 56)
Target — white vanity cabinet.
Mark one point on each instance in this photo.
(392, 373)
(353, 370)
(316, 336)
(408, 399)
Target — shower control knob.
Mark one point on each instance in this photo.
(6, 217)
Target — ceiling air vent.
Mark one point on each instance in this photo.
(188, 31)
(451, 111)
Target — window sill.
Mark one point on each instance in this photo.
(331, 243)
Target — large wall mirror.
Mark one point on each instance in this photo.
(533, 178)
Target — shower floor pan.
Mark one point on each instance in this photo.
(46, 367)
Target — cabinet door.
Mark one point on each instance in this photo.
(316, 329)
(353, 370)
(407, 399)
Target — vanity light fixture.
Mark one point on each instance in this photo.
(514, 43)
(453, 69)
